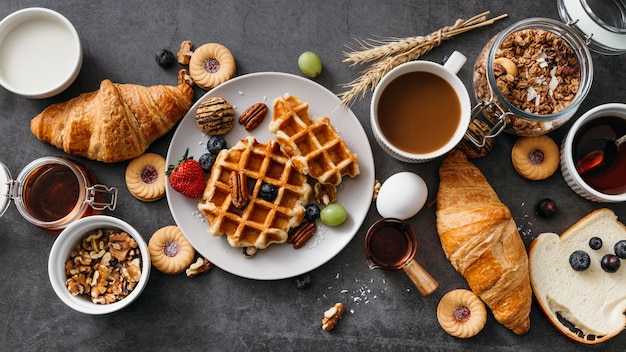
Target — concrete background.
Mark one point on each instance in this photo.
(222, 312)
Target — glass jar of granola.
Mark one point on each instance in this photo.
(531, 78)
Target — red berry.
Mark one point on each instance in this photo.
(187, 177)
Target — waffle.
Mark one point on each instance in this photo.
(313, 145)
(259, 223)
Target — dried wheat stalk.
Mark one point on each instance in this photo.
(392, 52)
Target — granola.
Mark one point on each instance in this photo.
(537, 71)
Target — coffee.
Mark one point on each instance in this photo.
(419, 112)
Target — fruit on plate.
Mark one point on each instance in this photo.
(187, 177)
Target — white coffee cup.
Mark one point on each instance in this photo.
(448, 72)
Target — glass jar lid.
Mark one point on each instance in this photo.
(601, 22)
(5, 178)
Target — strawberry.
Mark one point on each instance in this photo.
(187, 177)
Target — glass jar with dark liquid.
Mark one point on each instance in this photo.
(53, 192)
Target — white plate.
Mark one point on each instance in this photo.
(277, 261)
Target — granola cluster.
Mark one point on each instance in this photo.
(537, 71)
(106, 266)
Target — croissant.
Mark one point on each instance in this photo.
(115, 123)
(481, 240)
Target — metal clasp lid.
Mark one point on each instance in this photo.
(495, 130)
(97, 197)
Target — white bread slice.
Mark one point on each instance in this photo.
(594, 301)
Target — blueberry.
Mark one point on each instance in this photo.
(311, 212)
(268, 192)
(595, 243)
(215, 144)
(610, 263)
(546, 208)
(620, 249)
(165, 58)
(579, 260)
(303, 281)
(206, 161)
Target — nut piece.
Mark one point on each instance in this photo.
(253, 116)
(508, 65)
(332, 316)
(202, 265)
(377, 186)
(325, 193)
(184, 77)
(105, 266)
(249, 252)
(301, 234)
(238, 189)
(184, 53)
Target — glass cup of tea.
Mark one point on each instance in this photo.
(420, 110)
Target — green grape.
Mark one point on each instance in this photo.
(333, 214)
(310, 64)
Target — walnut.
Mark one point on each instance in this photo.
(120, 244)
(325, 194)
(184, 77)
(332, 316)
(131, 271)
(184, 53)
(77, 284)
(202, 265)
(106, 266)
(99, 282)
(249, 252)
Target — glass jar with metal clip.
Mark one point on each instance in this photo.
(53, 192)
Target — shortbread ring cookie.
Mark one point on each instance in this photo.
(535, 158)
(461, 313)
(211, 64)
(170, 252)
(145, 177)
(215, 116)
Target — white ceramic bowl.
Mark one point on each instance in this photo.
(40, 53)
(69, 239)
(448, 73)
(568, 168)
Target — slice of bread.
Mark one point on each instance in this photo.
(586, 306)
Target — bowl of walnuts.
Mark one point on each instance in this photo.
(99, 264)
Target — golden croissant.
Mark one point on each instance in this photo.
(115, 123)
(481, 240)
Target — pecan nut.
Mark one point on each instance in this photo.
(253, 116)
(301, 234)
(332, 316)
(238, 189)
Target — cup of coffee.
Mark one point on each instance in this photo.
(420, 110)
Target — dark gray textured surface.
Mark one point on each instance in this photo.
(222, 312)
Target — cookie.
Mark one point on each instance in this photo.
(170, 252)
(461, 313)
(215, 116)
(145, 177)
(535, 158)
(211, 65)
(478, 130)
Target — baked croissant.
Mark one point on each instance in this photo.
(115, 123)
(481, 240)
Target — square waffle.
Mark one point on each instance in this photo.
(259, 223)
(313, 145)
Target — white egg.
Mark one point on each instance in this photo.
(401, 196)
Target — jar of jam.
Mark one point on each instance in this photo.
(52, 192)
